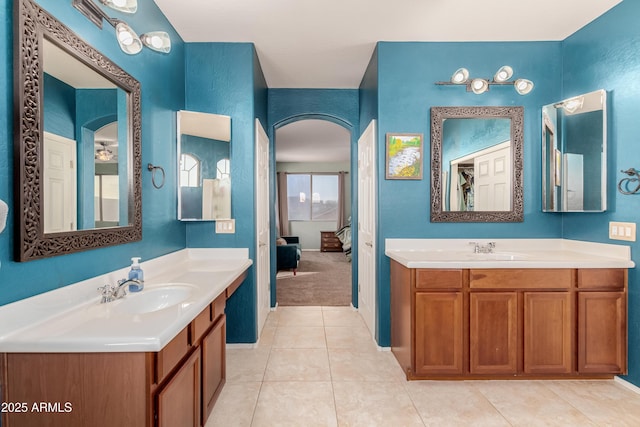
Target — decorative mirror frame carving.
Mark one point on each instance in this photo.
(438, 115)
(32, 23)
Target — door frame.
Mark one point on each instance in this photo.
(354, 195)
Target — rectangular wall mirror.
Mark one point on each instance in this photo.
(476, 163)
(574, 154)
(85, 146)
(77, 142)
(204, 153)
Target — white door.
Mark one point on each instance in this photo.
(493, 181)
(573, 181)
(367, 226)
(60, 184)
(262, 225)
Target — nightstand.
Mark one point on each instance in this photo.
(329, 242)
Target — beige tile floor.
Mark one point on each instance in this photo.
(318, 366)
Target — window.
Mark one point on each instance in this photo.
(222, 169)
(312, 197)
(189, 171)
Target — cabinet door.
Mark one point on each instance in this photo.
(547, 332)
(602, 332)
(493, 332)
(179, 401)
(439, 333)
(213, 366)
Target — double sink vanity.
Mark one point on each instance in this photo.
(153, 358)
(508, 308)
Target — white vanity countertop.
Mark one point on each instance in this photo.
(508, 253)
(71, 319)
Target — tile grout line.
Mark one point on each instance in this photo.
(492, 405)
(264, 373)
(333, 390)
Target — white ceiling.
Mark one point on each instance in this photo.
(328, 43)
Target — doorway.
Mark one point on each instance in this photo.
(313, 210)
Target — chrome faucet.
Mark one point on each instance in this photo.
(486, 249)
(111, 293)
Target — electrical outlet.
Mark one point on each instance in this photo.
(622, 231)
(225, 226)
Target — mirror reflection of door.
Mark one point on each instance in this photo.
(60, 184)
(478, 152)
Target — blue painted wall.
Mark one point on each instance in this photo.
(606, 55)
(368, 93)
(160, 99)
(338, 106)
(59, 107)
(226, 78)
(406, 73)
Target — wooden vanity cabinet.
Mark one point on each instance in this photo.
(176, 386)
(548, 332)
(213, 366)
(493, 333)
(521, 321)
(428, 320)
(508, 323)
(178, 403)
(602, 321)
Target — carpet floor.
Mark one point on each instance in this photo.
(323, 278)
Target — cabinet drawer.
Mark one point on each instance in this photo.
(172, 353)
(217, 308)
(604, 278)
(529, 278)
(331, 244)
(438, 279)
(201, 323)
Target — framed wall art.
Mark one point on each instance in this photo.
(404, 156)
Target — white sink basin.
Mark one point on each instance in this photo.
(498, 256)
(155, 298)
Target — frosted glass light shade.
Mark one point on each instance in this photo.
(503, 74)
(157, 40)
(479, 86)
(523, 86)
(128, 39)
(126, 6)
(460, 76)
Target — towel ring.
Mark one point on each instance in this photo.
(623, 185)
(153, 170)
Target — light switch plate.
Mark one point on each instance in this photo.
(622, 231)
(225, 226)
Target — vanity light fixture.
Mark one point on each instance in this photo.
(128, 40)
(126, 6)
(480, 85)
(503, 74)
(460, 76)
(523, 86)
(571, 105)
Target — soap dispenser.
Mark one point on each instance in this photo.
(136, 273)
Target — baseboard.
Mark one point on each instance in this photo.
(627, 384)
(242, 346)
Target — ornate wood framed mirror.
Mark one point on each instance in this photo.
(73, 108)
(476, 164)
